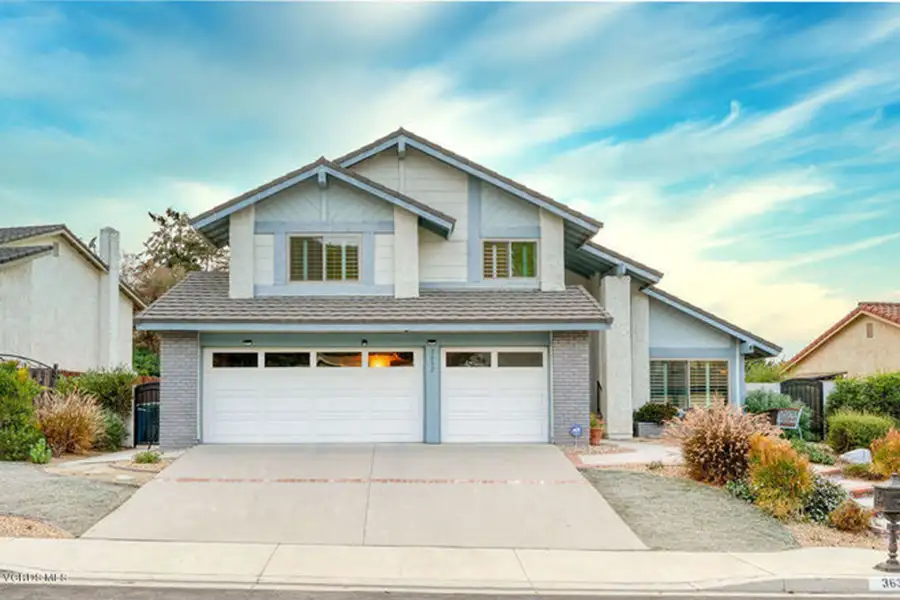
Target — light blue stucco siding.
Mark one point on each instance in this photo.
(430, 343)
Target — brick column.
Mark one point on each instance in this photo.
(179, 389)
(571, 383)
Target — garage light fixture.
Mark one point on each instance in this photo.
(365, 343)
(247, 342)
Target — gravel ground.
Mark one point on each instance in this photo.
(12, 526)
(677, 514)
(73, 504)
(812, 534)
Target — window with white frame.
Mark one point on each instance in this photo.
(688, 383)
(323, 258)
(506, 259)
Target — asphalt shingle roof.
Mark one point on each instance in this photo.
(11, 234)
(11, 254)
(203, 297)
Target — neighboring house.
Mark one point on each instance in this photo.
(62, 304)
(403, 293)
(866, 341)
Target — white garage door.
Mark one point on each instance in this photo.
(494, 395)
(279, 396)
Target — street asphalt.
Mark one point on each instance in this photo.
(65, 592)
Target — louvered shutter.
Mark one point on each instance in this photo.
(305, 259)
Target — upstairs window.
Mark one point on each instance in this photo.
(324, 258)
(506, 259)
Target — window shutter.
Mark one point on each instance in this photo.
(351, 258)
(502, 261)
(305, 259)
(488, 260)
(334, 270)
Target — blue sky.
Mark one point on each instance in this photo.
(749, 151)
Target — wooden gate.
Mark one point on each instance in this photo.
(146, 413)
(809, 392)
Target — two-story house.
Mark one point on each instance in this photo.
(403, 293)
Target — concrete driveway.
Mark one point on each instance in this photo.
(382, 495)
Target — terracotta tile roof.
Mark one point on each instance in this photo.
(203, 297)
(889, 311)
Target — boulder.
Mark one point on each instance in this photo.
(860, 456)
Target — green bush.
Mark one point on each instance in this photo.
(860, 471)
(653, 412)
(145, 361)
(762, 401)
(40, 453)
(147, 457)
(18, 426)
(825, 497)
(779, 476)
(740, 489)
(761, 370)
(816, 453)
(114, 432)
(848, 430)
(876, 394)
(111, 387)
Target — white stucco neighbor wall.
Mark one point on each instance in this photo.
(50, 310)
(552, 266)
(616, 358)
(406, 255)
(241, 241)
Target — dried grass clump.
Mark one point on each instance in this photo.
(715, 441)
(70, 421)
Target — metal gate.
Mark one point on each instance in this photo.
(809, 392)
(146, 413)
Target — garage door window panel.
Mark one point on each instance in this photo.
(338, 359)
(469, 359)
(235, 360)
(287, 359)
(520, 359)
(379, 359)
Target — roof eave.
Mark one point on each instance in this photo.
(640, 272)
(250, 326)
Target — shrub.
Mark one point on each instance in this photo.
(595, 421)
(18, 427)
(114, 432)
(111, 387)
(860, 471)
(763, 371)
(40, 453)
(145, 361)
(740, 489)
(655, 465)
(814, 452)
(886, 454)
(825, 497)
(762, 401)
(70, 422)
(653, 412)
(715, 441)
(780, 477)
(848, 430)
(876, 394)
(147, 457)
(850, 516)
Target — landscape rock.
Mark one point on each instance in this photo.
(860, 456)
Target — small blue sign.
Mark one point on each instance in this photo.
(576, 431)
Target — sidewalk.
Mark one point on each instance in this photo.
(257, 566)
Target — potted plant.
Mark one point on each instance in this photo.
(649, 419)
(597, 429)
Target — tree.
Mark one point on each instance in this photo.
(760, 370)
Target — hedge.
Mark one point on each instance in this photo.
(849, 430)
(876, 394)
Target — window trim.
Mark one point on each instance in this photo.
(729, 377)
(322, 237)
(494, 351)
(509, 242)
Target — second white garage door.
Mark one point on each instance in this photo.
(494, 395)
(279, 396)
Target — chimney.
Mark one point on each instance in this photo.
(109, 298)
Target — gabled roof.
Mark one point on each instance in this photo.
(214, 222)
(202, 302)
(15, 234)
(592, 257)
(403, 139)
(759, 346)
(8, 255)
(888, 312)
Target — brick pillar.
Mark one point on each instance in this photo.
(571, 384)
(179, 389)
